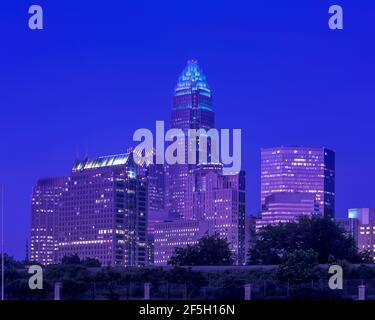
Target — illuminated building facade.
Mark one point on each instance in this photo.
(170, 235)
(192, 109)
(201, 193)
(102, 213)
(156, 197)
(287, 206)
(220, 200)
(299, 170)
(351, 227)
(46, 203)
(366, 228)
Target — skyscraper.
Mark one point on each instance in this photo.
(300, 170)
(104, 212)
(220, 200)
(99, 211)
(192, 109)
(46, 202)
(156, 198)
(200, 193)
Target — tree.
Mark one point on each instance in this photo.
(109, 278)
(192, 280)
(210, 250)
(76, 260)
(321, 234)
(298, 266)
(75, 278)
(73, 259)
(92, 263)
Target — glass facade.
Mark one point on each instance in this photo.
(300, 170)
(100, 211)
(192, 109)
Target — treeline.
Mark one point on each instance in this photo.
(298, 276)
(298, 249)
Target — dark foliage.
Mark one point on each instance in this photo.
(320, 234)
(210, 250)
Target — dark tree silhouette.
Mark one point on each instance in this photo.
(210, 250)
(298, 266)
(320, 234)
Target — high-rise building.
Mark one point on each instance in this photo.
(351, 227)
(156, 196)
(99, 211)
(220, 200)
(46, 203)
(299, 170)
(104, 212)
(366, 228)
(170, 235)
(156, 181)
(192, 109)
(200, 192)
(282, 207)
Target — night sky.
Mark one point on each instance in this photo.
(102, 69)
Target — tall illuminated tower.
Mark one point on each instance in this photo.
(192, 109)
(46, 205)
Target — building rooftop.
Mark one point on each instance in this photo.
(192, 78)
(106, 161)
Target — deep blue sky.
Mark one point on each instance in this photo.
(102, 69)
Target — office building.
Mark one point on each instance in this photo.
(299, 170)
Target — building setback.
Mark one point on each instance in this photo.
(282, 207)
(192, 109)
(220, 200)
(200, 193)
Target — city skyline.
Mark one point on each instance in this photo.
(64, 115)
(102, 209)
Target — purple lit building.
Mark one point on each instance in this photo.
(170, 235)
(192, 109)
(282, 207)
(102, 212)
(220, 200)
(201, 193)
(351, 227)
(361, 225)
(299, 170)
(156, 198)
(46, 204)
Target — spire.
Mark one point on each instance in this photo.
(192, 78)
